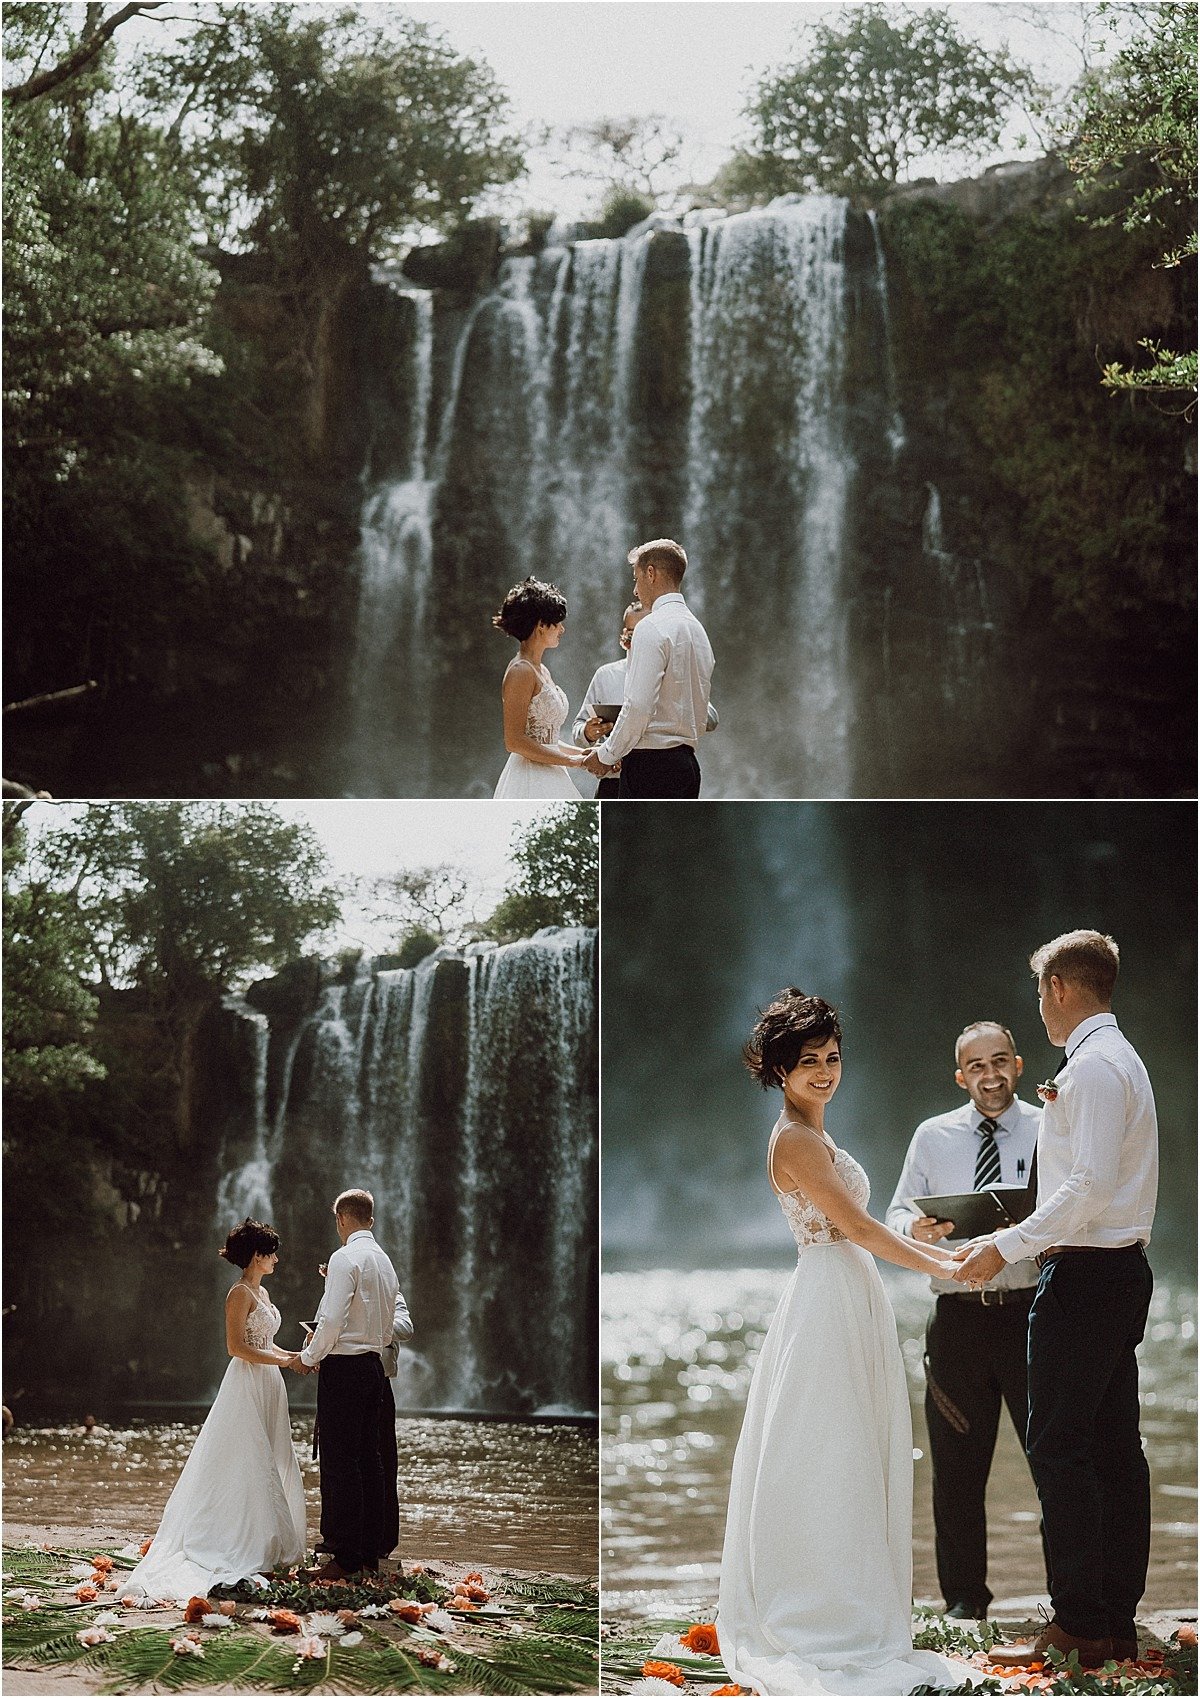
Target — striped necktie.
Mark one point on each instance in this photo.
(987, 1162)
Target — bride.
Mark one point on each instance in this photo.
(237, 1509)
(816, 1574)
(533, 614)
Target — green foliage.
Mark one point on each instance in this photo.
(934, 1632)
(1012, 318)
(187, 897)
(417, 944)
(1138, 147)
(871, 93)
(47, 1010)
(323, 133)
(557, 882)
(426, 905)
(621, 210)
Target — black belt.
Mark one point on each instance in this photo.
(1044, 1256)
(993, 1299)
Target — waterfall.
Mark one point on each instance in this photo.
(897, 433)
(245, 1190)
(461, 1094)
(768, 477)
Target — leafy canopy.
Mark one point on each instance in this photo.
(558, 870)
(870, 94)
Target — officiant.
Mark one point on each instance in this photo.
(975, 1342)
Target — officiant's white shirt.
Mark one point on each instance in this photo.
(667, 683)
(362, 1309)
(1097, 1150)
(941, 1163)
(608, 686)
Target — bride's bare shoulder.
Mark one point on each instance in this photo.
(798, 1152)
(238, 1296)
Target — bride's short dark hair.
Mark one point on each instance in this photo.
(527, 605)
(783, 1028)
(251, 1239)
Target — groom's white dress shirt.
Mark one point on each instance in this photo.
(1097, 1150)
(941, 1163)
(608, 686)
(667, 682)
(362, 1309)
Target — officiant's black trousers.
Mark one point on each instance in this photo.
(350, 1391)
(975, 1360)
(1085, 1448)
(664, 773)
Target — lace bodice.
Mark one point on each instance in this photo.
(808, 1224)
(547, 711)
(262, 1323)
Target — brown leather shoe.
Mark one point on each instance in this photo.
(333, 1570)
(1092, 1653)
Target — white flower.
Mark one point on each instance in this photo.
(308, 1646)
(352, 1638)
(257, 1615)
(80, 1570)
(186, 1647)
(380, 1609)
(106, 1618)
(31, 1601)
(94, 1636)
(324, 1621)
(669, 1646)
(215, 1620)
(131, 1551)
(653, 1684)
(440, 1620)
(491, 1609)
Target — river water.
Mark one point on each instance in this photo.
(504, 1493)
(679, 1349)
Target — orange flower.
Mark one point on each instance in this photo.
(102, 1564)
(227, 1607)
(1185, 1636)
(197, 1607)
(86, 1594)
(477, 1578)
(348, 1617)
(129, 1603)
(663, 1671)
(462, 1604)
(284, 1621)
(702, 1639)
(144, 1546)
(727, 1692)
(404, 1610)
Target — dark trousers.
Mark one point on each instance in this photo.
(1085, 1448)
(353, 1499)
(608, 787)
(975, 1358)
(662, 773)
(390, 1534)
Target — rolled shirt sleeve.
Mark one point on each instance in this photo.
(649, 651)
(402, 1326)
(913, 1182)
(586, 710)
(1092, 1104)
(340, 1281)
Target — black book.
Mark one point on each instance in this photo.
(977, 1213)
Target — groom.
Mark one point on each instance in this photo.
(666, 686)
(1097, 1156)
(361, 1315)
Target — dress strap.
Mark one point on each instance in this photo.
(771, 1167)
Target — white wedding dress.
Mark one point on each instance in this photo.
(237, 1509)
(816, 1574)
(544, 723)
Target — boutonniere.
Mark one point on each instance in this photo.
(1048, 1091)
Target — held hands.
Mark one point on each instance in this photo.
(597, 768)
(977, 1262)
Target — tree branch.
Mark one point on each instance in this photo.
(80, 57)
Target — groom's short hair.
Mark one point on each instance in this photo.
(1085, 958)
(359, 1205)
(667, 556)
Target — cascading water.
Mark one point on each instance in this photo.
(462, 1094)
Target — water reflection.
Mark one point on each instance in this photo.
(507, 1493)
(679, 1349)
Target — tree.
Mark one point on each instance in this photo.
(325, 135)
(428, 904)
(185, 898)
(48, 1012)
(631, 156)
(865, 99)
(558, 871)
(1138, 141)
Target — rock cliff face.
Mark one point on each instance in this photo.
(461, 1093)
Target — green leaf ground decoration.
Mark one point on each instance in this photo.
(545, 1641)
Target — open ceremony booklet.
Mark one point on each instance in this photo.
(976, 1213)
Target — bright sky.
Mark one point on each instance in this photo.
(369, 839)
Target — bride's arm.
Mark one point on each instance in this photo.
(238, 1305)
(516, 693)
(804, 1159)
